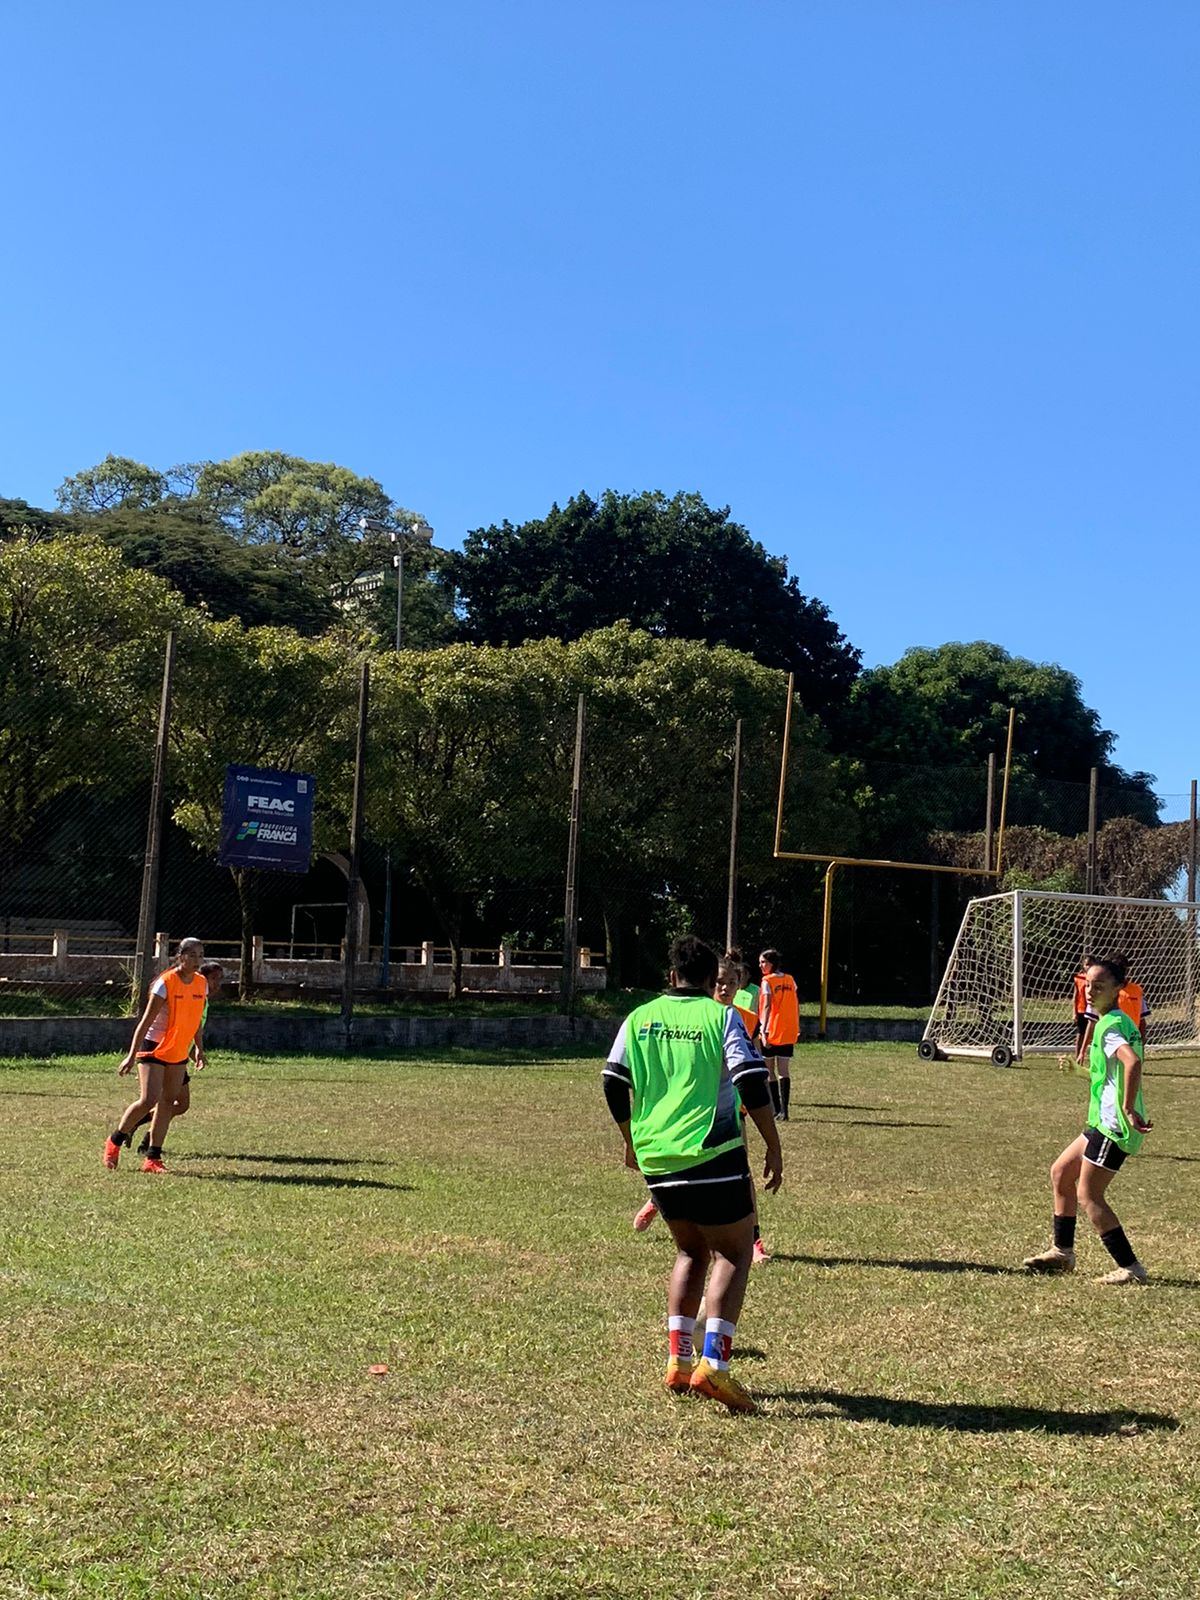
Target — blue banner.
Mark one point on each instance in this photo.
(267, 819)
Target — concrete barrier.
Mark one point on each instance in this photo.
(265, 1033)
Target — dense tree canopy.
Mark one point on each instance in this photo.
(675, 567)
(945, 709)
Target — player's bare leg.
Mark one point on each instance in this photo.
(1064, 1184)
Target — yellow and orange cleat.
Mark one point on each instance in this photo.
(679, 1374)
(723, 1386)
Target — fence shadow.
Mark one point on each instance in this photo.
(284, 1160)
(988, 1268)
(299, 1180)
(819, 1404)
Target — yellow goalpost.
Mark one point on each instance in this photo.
(833, 862)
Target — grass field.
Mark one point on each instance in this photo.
(187, 1409)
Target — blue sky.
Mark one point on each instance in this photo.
(910, 286)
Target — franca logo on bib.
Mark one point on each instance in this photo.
(661, 1030)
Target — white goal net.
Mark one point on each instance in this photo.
(1007, 991)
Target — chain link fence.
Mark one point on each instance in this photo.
(461, 872)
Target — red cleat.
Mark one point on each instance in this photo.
(761, 1254)
(150, 1165)
(112, 1154)
(645, 1217)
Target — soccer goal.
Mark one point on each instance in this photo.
(1007, 991)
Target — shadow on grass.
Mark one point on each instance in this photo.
(828, 1403)
(839, 1105)
(299, 1180)
(988, 1268)
(1146, 1155)
(286, 1161)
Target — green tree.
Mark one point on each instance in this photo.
(210, 567)
(81, 655)
(675, 567)
(260, 697)
(471, 760)
(116, 481)
(947, 708)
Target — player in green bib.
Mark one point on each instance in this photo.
(673, 1081)
(1116, 1125)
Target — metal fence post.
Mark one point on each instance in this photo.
(144, 957)
(570, 967)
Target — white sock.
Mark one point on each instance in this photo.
(718, 1342)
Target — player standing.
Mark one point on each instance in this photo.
(1116, 1124)
(178, 998)
(778, 1027)
(670, 1083)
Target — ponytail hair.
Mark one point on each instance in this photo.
(1117, 964)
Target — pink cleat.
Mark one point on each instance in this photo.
(761, 1254)
(645, 1217)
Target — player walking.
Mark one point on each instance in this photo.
(778, 1026)
(214, 975)
(670, 1083)
(178, 997)
(729, 974)
(1116, 1124)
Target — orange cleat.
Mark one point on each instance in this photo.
(679, 1374)
(150, 1165)
(112, 1154)
(714, 1384)
(645, 1217)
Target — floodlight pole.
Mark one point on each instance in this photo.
(418, 531)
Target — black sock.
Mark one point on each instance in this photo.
(1118, 1246)
(1064, 1233)
(118, 1137)
(154, 1153)
(775, 1096)
(757, 1235)
(785, 1088)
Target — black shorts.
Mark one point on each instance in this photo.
(784, 1050)
(148, 1055)
(712, 1194)
(1101, 1151)
(1081, 1023)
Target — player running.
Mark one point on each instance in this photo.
(672, 1082)
(779, 1027)
(1116, 1124)
(214, 975)
(729, 974)
(177, 998)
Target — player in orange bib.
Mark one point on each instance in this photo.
(177, 1001)
(779, 1027)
